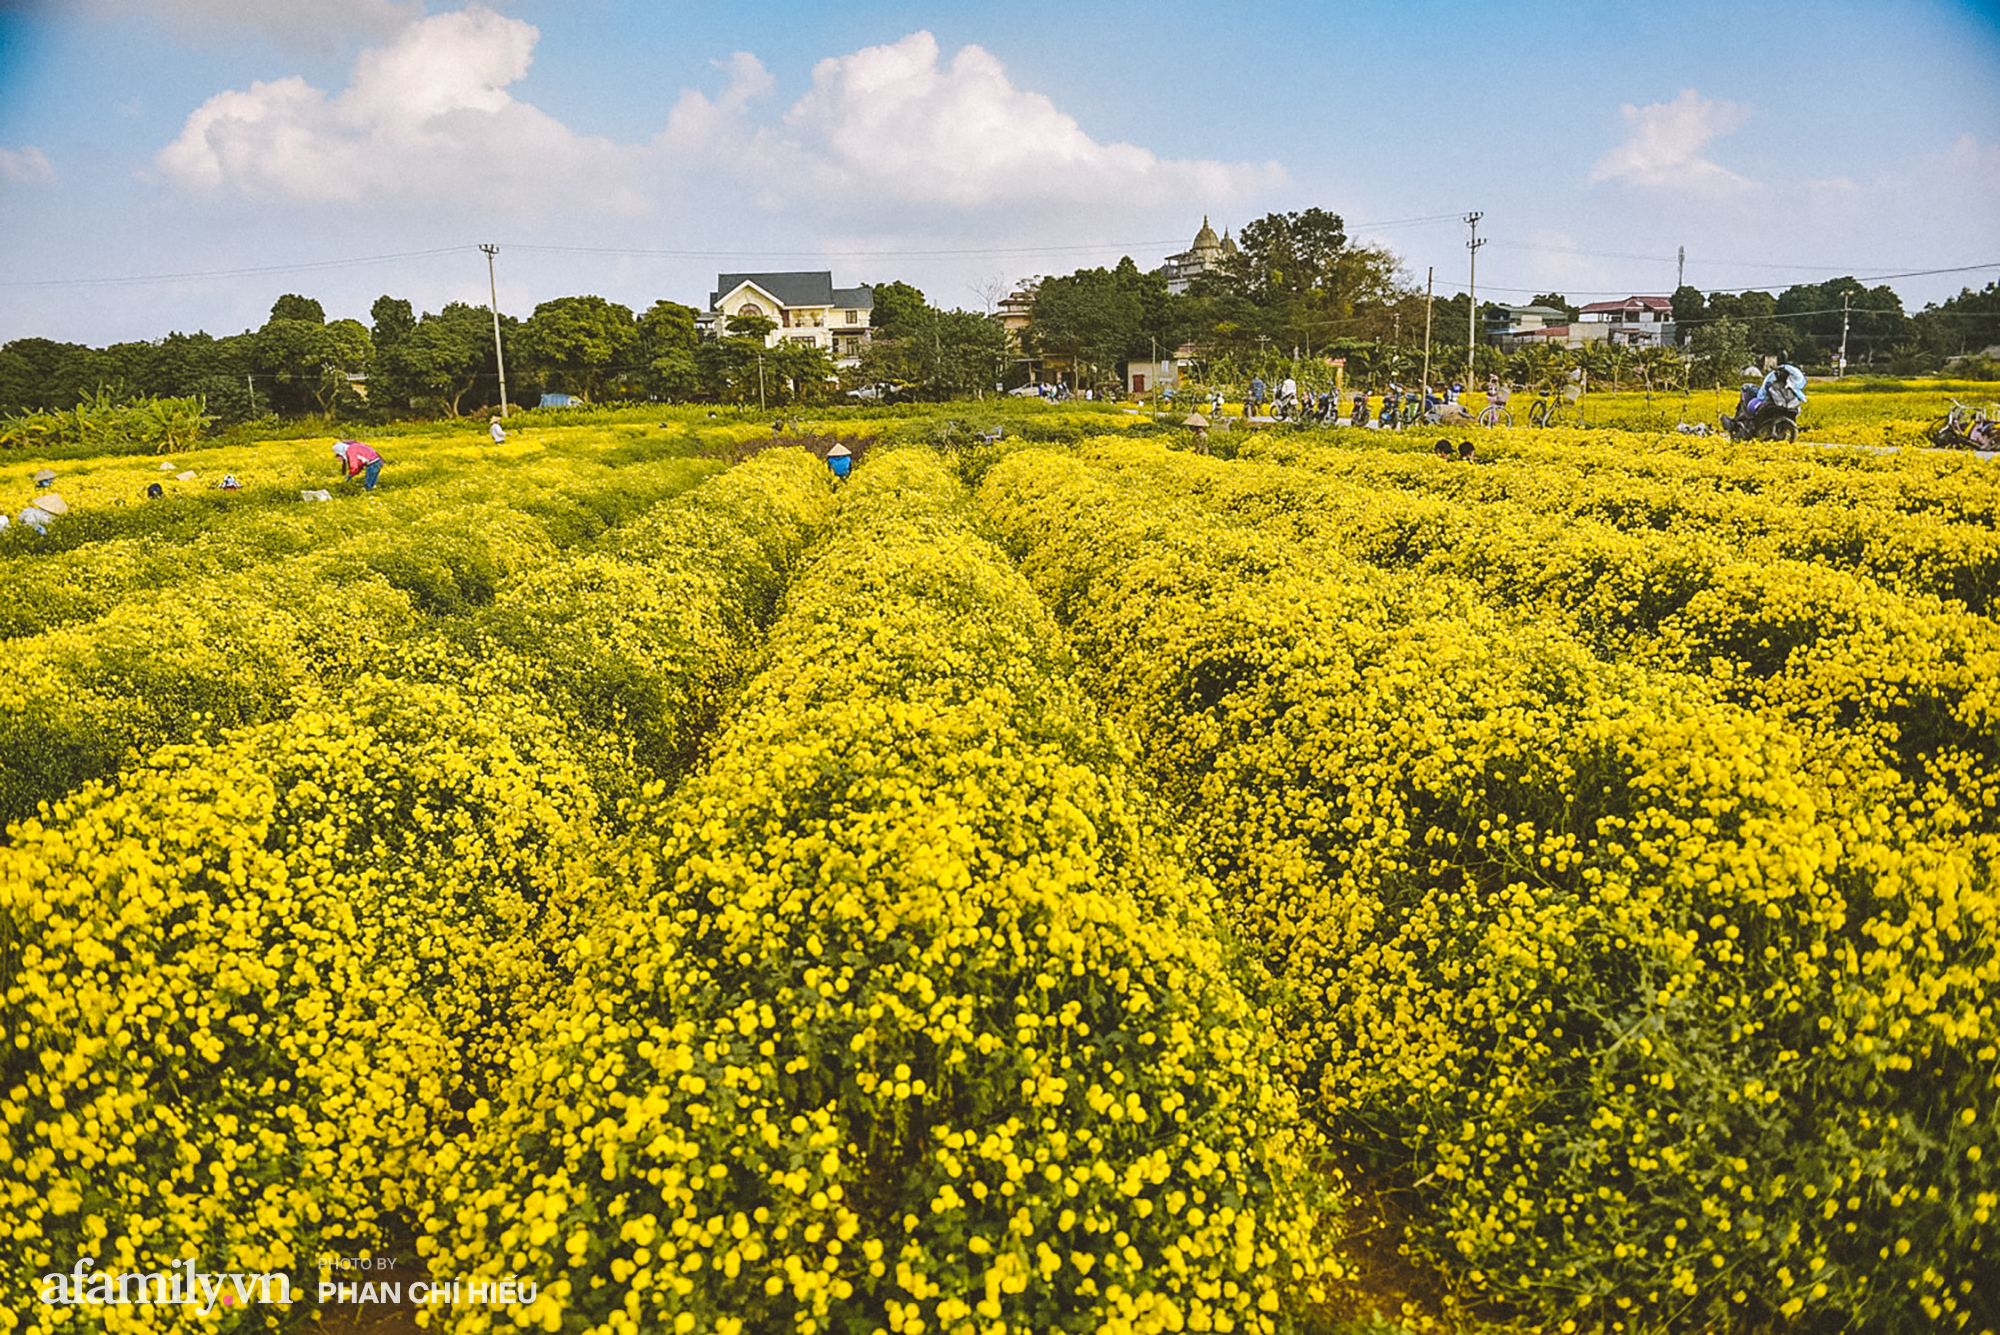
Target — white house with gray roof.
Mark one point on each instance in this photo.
(807, 306)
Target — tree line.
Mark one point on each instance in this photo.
(443, 363)
(1297, 290)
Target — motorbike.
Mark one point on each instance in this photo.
(1758, 419)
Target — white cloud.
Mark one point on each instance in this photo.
(25, 165)
(303, 24)
(426, 119)
(891, 122)
(1665, 150)
(886, 131)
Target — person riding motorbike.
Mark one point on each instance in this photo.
(1781, 394)
(1288, 398)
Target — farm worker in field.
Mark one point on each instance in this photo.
(154, 491)
(36, 518)
(840, 461)
(44, 479)
(357, 458)
(1465, 452)
(498, 432)
(1442, 449)
(1256, 396)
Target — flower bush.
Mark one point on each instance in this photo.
(1652, 965)
(257, 985)
(909, 1021)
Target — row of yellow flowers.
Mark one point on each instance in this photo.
(908, 1020)
(256, 987)
(1919, 521)
(259, 602)
(1655, 966)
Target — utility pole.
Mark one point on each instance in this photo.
(1424, 389)
(1681, 270)
(1841, 370)
(1472, 243)
(499, 358)
(761, 407)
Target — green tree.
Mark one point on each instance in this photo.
(1689, 311)
(882, 364)
(666, 350)
(579, 343)
(801, 370)
(393, 321)
(897, 308)
(730, 369)
(1757, 313)
(1719, 353)
(1102, 317)
(445, 357)
(292, 306)
(956, 352)
(1875, 319)
(1966, 323)
(1282, 256)
(305, 362)
(42, 373)
(759, 327)
(1557, 301)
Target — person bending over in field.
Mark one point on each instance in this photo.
(358, 459)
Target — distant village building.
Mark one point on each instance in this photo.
(1530, 324)
(1206, 255)
(1016, 309)
(1636, 322)
(806, 305)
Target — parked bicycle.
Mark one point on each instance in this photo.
(1966, 428)
(1496, 413)
(1557, 407)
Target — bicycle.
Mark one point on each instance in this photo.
(1496, 413)
(1966, 428)
(1551, 406)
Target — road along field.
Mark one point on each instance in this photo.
(1030, 886)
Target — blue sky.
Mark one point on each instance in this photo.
(347, 148)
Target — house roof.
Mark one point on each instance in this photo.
(1536, 310)
(797, 288)
(855, 298)
(1631, 304)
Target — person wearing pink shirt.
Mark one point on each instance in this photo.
(357, 458)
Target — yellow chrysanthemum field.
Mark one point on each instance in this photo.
(625, 880)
